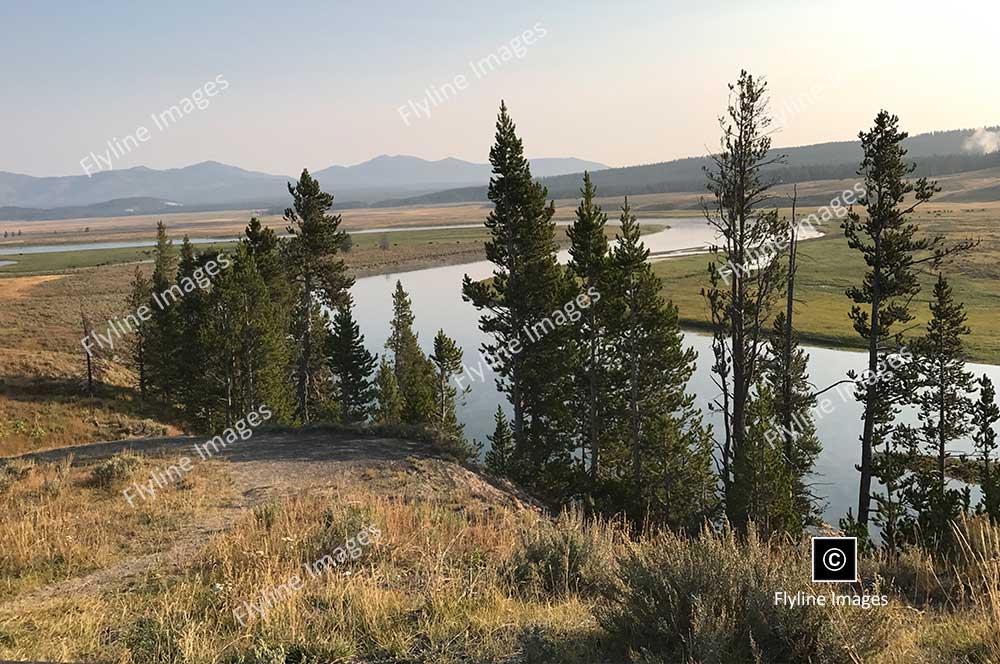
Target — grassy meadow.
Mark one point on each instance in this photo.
(462, 571)
(827, 267)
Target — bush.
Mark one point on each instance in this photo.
(567, 557)
(711, 599)
(13, 472)
(148, 640)
(112, 472)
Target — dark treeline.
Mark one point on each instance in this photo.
(598, 403)
(273, 324)
(590, 356)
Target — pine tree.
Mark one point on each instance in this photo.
(527, 351)
(886, 240)
(589, 266)
(415, 374)
(319, 274)
(945, 409)
(140, 292)
(389, 402)
(417, 383)
(268, 304)
(401, 334)
(786, 374)
(247, 340)
(763, 488)
(663, 462)
(190, 318)
(447, 359)
(276, 300)
(162, 338)
(501, 446)
(985, 414)
(744, 290)
(352, 366)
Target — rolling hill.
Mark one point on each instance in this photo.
(936, 154)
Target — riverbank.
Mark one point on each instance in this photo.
(373, 251)
(828, 267)
(42, 403)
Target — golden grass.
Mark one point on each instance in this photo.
(433, 587)
(441, 583)
(57, 524)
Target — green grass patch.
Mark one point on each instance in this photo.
(827, 268)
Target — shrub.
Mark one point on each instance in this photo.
(711, 599)
(13, 472)
(266, 514)
(115, 470)
(569, 556)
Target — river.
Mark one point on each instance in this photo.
(437, 304)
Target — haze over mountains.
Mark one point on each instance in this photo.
(210, 184)
(387, 181)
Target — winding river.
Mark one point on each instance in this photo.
(437, 303)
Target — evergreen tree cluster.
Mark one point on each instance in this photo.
(274, 324)
(590, 356)
(599, 410)
(599, 407)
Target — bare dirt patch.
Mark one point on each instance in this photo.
(16, 288)
(272, 465)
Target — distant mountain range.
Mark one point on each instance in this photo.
(209, 184)
(936, 154)
(399, 180)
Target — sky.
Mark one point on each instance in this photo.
(312, 84)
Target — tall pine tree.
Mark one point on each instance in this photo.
(887, 241)
(525, 349)
(162, 338)
(745, 287)
(945, 409)
(662, 466)
(589, 266)
(415, 374)
(319, 274)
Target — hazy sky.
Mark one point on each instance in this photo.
(319, 83)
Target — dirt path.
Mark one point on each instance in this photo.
(267, 464)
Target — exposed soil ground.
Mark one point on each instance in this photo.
(268, 466)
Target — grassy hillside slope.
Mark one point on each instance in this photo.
(456, 567)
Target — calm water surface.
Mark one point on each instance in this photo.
(437, 304)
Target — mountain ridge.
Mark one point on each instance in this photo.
(393, 180)
(215, 183)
